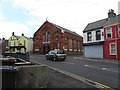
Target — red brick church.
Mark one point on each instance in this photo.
(51, 36)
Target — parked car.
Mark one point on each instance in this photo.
(56, 55)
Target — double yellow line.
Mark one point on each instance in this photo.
(77, 77)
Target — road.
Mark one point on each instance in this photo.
(102, 72)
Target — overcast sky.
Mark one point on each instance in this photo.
(26, 16)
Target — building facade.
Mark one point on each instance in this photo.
(5, 47)
(93, 39)
(20, 44)
(101, 39)
(112, 36)
(51, 36)
(0, 46)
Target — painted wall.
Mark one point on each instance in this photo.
(12, 41)
(0, 46)
(108, 41)
(118, 49)
(24, 42)
(93, 36)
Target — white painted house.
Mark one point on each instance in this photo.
(93, 39)
(0, 46)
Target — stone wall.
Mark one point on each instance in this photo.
(34, 76)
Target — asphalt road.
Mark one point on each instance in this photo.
(102, 72)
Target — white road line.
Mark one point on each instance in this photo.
(68, 62)
(77, 77)
(106, 69)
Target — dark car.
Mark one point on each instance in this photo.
(56, 55)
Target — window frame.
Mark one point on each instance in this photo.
(98, 35)
(109, 32)
(119, 31)
(110, 49)
(89, 38)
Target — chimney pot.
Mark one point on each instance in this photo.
(13, 33)
(111, 13)
(22, 34)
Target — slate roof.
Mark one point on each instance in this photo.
(95, 25)
(17, 37)
(66, 30)
(113, 20)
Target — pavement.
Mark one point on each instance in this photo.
(62, 79)
(1, 56)
(99, 59)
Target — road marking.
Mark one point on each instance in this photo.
(68, 62)
(77, 77)
(106, 69)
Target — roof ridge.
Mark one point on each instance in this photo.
(69, 31)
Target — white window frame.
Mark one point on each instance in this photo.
(89, 38)
(99, 36)
(107, 32)
(119, 31)
(111, 48)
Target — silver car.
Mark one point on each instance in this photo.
(56, 55)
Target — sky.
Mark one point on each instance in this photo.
(27, 16)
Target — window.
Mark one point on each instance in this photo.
(47, 36)
(118, 31)
(78, 45)
(24, 43)
(109, 33)
(89, 36)
(70, 43)
(98, 35)
(14, 43)
(43, 37)
(75, 44)
(113, 49)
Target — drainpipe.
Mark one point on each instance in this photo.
(116, 42)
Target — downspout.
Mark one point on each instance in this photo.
(116, 41)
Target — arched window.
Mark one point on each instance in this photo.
(46, 37)
(43, 37)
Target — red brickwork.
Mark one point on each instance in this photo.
(50, 36)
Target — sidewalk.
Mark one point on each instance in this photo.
(99, 59)
(59, 80)
(1, 56)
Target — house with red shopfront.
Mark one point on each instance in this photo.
(51, 36)
(112, 36)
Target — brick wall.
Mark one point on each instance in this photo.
(57, 40)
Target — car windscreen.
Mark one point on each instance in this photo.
(60, 52)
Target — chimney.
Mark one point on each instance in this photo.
(3, 38)
(111, 13)
(22, 34)
(12, 33)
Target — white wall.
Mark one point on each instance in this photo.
(30, 45)
(0, 46)
(93, 36)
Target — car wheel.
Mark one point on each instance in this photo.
(47, 58)
(63, 60)
(54, 58)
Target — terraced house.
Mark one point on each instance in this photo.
(20, 44)
(51, 36)
(101, 39)
(112, 36)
